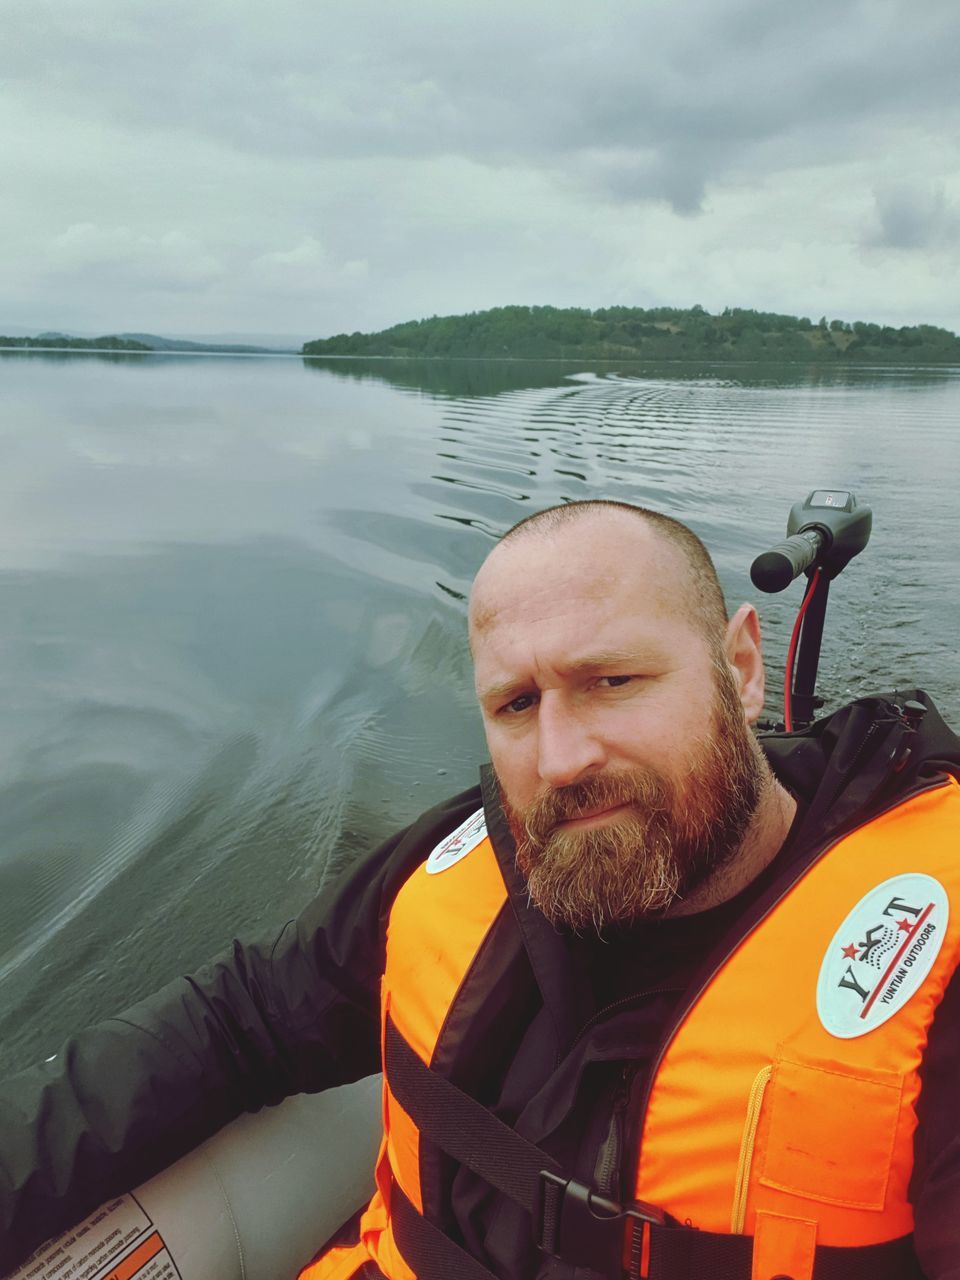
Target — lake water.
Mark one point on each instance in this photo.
(232, 646)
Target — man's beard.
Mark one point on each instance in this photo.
(670, 839)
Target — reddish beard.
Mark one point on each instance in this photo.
(670, 837)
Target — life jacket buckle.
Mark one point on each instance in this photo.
(581, 1227)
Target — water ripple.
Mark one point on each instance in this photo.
(232, 650)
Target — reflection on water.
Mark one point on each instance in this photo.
(231, 643)
(484, 377)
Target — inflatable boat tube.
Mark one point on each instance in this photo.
(255, 1202)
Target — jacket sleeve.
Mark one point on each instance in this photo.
(124, 1099)
(935, 1187)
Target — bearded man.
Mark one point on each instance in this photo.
(653, 1000)
(614, 693)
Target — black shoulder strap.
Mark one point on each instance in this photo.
(463, 1127)
(570, 1221)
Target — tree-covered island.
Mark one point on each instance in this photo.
(652, 333)
(59, 342)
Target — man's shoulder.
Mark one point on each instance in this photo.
(442, 822)
(864, 757)
(397, 858)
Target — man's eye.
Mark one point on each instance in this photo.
(615, 682)
(523, 703)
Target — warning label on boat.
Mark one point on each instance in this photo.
(118, 1242)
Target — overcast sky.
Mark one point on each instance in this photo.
(305, 168)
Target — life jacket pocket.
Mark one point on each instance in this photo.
(826, 1132)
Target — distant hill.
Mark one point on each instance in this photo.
(61, 342)
(155, 343)
(655, 333)
(285, 342)
(136, 342)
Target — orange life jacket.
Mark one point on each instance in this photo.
(783, 1106)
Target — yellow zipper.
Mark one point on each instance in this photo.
(747, 1142)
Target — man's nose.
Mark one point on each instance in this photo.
(567, 747)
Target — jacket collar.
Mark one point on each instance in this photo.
(566, 993)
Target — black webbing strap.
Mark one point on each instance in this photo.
(429, 1252)
(677, 1252)
(568, 1219)
(561, 1207)
(463, 1127)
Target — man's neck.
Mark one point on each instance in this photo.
(764, 840)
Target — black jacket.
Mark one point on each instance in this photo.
(301, 1014)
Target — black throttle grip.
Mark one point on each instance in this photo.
(778, 567)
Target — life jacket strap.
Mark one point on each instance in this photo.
(429, 1252)
(465, 1129)
(676, 1253)
(577, 1224)
(570, 1220)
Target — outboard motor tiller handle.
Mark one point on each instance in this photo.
(830, 518)
(824, 533)
(778, 567)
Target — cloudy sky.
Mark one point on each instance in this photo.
(294, 168)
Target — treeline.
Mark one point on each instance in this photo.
(57, 342)
(651, 333)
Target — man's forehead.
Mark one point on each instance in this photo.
(598, 557)
(536, 589)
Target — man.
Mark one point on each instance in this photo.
(667, 1004)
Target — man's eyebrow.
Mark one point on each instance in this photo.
(496, 692)
(603, 658)
(582, 666)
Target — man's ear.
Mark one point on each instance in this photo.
(742, 649)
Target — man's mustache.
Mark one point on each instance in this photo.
(641, 788)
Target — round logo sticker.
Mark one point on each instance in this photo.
(881, 954)
(456, 846)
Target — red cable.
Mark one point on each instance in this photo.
(792, 653)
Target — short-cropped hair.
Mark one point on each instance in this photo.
(707, 607)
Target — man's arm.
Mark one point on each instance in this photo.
(126, 1098)
(935, 1187)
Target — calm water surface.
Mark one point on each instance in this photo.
(232, 647)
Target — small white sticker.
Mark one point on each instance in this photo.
(881, 954)
(456, 846)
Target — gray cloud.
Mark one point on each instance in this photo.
(349, 156)
(914, 218)
(495, 81)
(103, 256)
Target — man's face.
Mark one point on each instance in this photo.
(615, 728)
